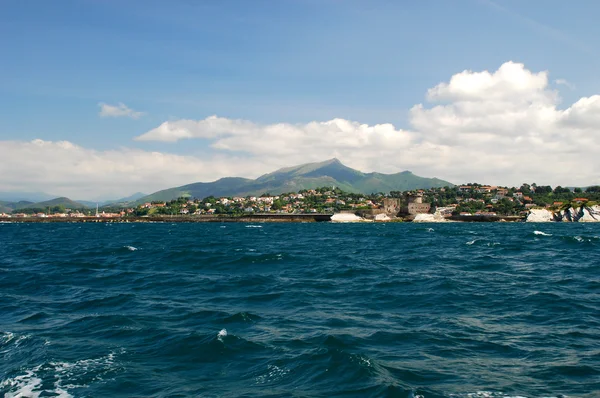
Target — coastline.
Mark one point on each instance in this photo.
(277, 218)
(175, 219)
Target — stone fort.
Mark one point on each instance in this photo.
(411, 204)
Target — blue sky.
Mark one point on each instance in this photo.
(290, 61)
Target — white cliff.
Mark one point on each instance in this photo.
(590, 214)
(579, 214)
(539, 215)
(346, 217)
(435, 217)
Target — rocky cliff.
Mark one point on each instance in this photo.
(572, 214)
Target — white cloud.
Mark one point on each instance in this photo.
(511, 82)
(63, 168)
(564, 82)
(499, 127)
(119, 110)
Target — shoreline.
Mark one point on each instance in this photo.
(175, 219)
(286, 218)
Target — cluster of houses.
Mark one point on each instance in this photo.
(306, 201)
(66, 214)
(464, 200)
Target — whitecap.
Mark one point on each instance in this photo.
(430, 229)
(25, 385)
(63, 375)
(9, 337)
(541, 233)
(471, 242)
(253, 226)
(130, 248)
(6, 337)
(222, 334)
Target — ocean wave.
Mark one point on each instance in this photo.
(495, 394)
(242, 317)
(273, 374)
(12, 339)
(577, 239)
(541, 233)
(57, 378)
(316, 310)
(222, 334)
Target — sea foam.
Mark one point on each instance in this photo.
(60, 375)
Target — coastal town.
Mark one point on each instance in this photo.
(464, 201)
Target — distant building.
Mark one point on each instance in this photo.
(392, 205)
(414, 205)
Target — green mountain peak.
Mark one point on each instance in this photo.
(331, 172)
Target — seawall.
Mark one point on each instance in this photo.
(177, 219)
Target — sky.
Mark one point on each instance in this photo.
(103, 98)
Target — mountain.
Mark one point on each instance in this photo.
(5, 207)
(307, 176)
(122, 201)
(131, 198)
(64, 202)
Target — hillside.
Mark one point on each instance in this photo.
(113, 202)
(63, 202)
(307, 176)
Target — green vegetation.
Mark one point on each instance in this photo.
(330, 173)
(58, 205)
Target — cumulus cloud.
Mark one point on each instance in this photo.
(510, 83)
(119, 110)
(498, 127)
(291, 142)
(63, 168)
(501, 127)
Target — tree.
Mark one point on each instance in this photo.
(277, 204)
(543, 189)
(593, 189)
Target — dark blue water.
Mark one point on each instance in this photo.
(304, 310)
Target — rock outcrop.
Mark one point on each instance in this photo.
(346, 217)
(427, 217)
(572, 214)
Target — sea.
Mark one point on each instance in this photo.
(446, 310)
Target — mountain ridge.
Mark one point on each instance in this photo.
(7, 207)
(331, 172)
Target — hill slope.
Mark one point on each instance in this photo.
(64, 202)
(307, 176)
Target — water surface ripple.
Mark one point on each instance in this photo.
(304, 310)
